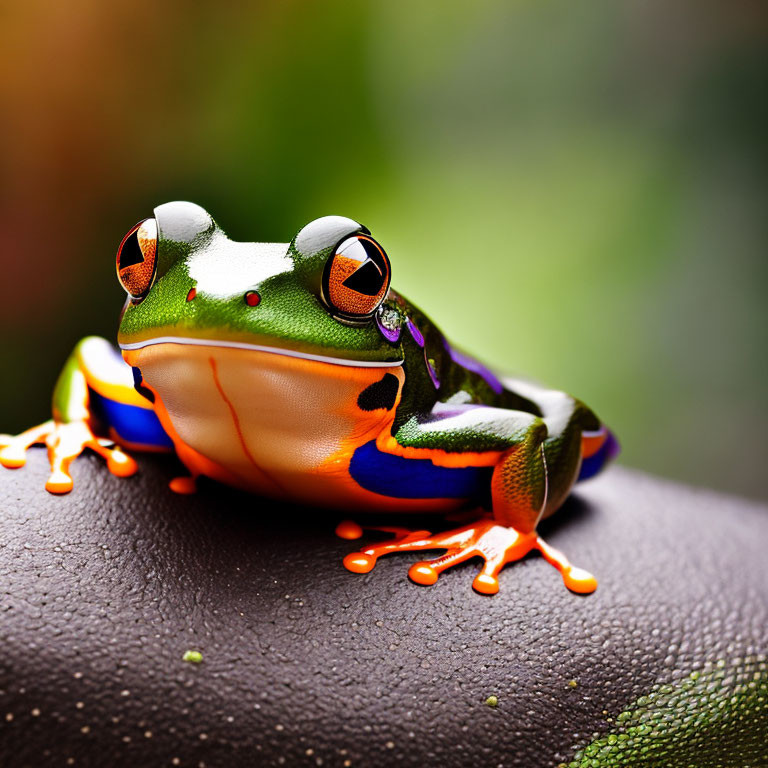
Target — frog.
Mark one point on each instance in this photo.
(295, 371)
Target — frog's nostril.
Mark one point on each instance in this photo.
(192, 293)
(252, 298)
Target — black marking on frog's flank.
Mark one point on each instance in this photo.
(138, 385)
(382, 394)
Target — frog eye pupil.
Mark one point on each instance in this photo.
(137, 258)
(356, 278)
(367, 280)
(130, 253)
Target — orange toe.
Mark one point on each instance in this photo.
(423, 573)
(347, 529)
(121, 464)
(12, 460)
(59, 482)
(579, 580)
(359, 562)
(183, 485)
(486, 584)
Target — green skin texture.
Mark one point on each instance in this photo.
(291, 315)
(70, 389)
(708, 718)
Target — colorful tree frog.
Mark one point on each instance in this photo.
(296, 372)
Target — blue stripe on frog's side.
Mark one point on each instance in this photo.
(402, 478)
(595, 463)
(138, 426)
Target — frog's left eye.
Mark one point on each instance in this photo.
(356, 277)
(137, 259)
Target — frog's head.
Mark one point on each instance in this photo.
(324, 294)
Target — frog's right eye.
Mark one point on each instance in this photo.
(356, 278)
(137, 259)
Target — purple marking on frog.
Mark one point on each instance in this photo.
(612, 449)
(465, 361)
(442, 411)
(432, 373)
(415, 332)
(390, 335)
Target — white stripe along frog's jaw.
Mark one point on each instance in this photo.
(260, 348)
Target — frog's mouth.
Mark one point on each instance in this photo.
(260, 348)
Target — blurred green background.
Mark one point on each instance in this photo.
(574, 191)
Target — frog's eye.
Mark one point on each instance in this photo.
(356, 277)
(137, 258)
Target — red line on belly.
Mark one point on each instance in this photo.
(238, 429)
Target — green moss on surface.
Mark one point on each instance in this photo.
(193, 657)
(717, 716)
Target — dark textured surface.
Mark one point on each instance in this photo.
(306, 664)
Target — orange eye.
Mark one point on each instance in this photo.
(356, 277)
(137, 258)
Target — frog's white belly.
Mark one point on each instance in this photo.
(278, 424)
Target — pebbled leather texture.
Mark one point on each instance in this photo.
(105, 589)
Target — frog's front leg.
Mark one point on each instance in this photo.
(71, 430)
(537, 456)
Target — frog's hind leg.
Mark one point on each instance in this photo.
(532, 480)
(519, 491)
(531, 476)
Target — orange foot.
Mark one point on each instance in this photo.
(496, 544)
(185, 486)
(65, 441)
